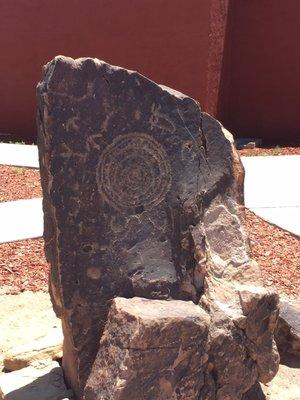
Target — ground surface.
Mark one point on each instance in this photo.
(274, 151)
(24, 318)
(286, 384)
(23, 265)
(278, 254)
(19, 183)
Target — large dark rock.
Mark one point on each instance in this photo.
(142, 197)
(151, 349)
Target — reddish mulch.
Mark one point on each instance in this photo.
(19, 183)
(278, 254)
(23, 265)
(274, 151)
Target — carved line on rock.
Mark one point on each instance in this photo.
(134, 172)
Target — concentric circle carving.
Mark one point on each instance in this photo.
(134, 172)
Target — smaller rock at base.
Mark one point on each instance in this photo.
(151, 349)
(34, 384)
(287, 334)
(42, 351)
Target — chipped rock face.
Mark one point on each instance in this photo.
(150, 349)
(143, 197)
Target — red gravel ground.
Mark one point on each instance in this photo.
(19, 183)
(278, 254)
(23, 265)
(274, 151)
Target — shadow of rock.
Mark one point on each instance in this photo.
(255, 393)
(34, 384)
(290, 360)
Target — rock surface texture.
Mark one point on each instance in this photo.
(151, 349)
(143, 197)
(287, 334)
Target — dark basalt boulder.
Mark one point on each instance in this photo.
(143, 196)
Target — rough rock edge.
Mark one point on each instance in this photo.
(236, 303)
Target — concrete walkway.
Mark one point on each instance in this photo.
(272, 191)
(19, 155)
(21, 219)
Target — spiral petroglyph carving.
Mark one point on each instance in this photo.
(134, 172)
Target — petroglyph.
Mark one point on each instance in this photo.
(134, 172)
(161, 120)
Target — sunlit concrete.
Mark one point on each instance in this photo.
(21, 219)
(19, 155)
(272, 189)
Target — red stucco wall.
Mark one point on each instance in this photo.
(168, 41)
(252, 86)
(260, 94)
